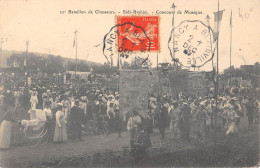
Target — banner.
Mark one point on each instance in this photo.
(197, 84)
(164, 84)
(178, 82)
(133, 90)
(217, 21)
(154, 83)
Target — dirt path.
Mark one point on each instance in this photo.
(91, 144)
(23, 156)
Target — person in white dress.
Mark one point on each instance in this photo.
(5, 129)
(60, 133)
(133, 125)
(110, 107)
(34, 101)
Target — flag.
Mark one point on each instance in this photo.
(24, 62)
(217, 20)
(74, 41)
(75, 38)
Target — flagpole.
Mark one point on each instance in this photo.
(217, 77)
(157, 62)
(230, 45)
(76, 43)
(217, 51)
(173, 7)
(3, 60)
(27, 49)
(118, 80)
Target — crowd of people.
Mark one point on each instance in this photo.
(196, 117)
(69, 108)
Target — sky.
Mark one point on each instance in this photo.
(49, 31)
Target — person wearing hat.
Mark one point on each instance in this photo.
(194, 106)
(111, 110)
(211, 92)
(54, 101)
(17, 95)
(5, 129)
(229, 114)
(185, 122)
(118, 117)
(175, 116)
(163, 119)
(60, 133)
(45, 98)
(225, 114)
(134, 125)
(76, 117)
(250, 111)
(209, 109)
(201, 124)
(66, 104)
(50, 122)
(231, 119)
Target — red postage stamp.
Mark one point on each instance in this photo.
(138, 33)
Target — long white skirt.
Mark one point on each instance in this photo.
(60, 133)
(5, 134)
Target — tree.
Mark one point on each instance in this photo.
(54, 64)
(82, 66)
(138, 63)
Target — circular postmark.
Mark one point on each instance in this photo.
(125, 40)
(191, 44)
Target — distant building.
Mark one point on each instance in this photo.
(257, 68)
(247, 68)
(70, 75)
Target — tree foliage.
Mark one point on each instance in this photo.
(81, 66)
(138, 63)
(245, 73)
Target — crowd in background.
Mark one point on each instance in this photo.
(196, 116)
(70, 107)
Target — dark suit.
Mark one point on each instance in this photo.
(162, 121)
(76, 117)
(185, 122)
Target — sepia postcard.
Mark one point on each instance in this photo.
(129, 83)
